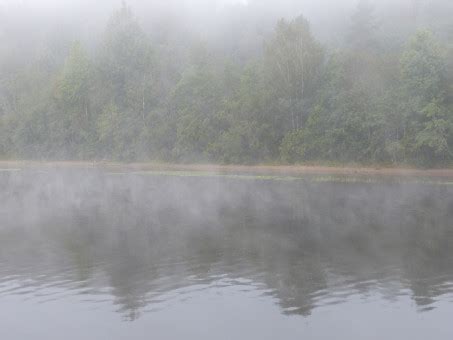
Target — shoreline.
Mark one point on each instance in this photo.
(271, 170)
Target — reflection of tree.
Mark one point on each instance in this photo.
(296, 282)
(428, 255)
(305, 242)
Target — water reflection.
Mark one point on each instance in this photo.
(147, 241)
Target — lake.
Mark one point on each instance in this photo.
(86, 254)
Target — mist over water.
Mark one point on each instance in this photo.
(146, 255)
(242, 228)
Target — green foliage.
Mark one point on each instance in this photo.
(423, 69)
(3, 139)
(75, 84)
(424, 85)
(431, 142)
(145, 97)
(293, 146)
(245, 142)
(293, 65)
(125, 63)
(71, 119)
(197, 100)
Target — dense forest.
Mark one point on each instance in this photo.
(372, 84)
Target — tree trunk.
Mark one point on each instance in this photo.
(143, 97)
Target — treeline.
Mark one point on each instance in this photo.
(135, 99)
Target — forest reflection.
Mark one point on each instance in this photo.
(139, 239)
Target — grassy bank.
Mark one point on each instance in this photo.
(287, 171)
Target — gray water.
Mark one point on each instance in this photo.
(91, 255)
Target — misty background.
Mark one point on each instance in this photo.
(241, 82)
(227, 81)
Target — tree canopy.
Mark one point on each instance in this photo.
(278, 94)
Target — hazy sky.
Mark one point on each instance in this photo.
(329, 18)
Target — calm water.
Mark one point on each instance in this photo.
(86, 255)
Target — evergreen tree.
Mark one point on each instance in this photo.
(364, 27)
(423, 82)
(72, 121)
(293, 63)
(125, 83)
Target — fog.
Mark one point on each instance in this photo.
(148, 242)
(243, 82)
(226, 169)
(201, 17)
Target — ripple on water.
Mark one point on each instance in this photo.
(123, 248)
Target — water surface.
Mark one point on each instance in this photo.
(91, 255)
